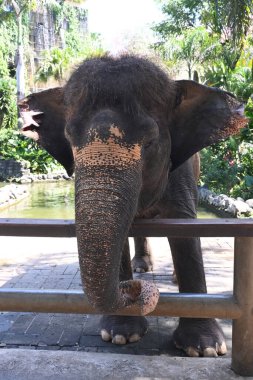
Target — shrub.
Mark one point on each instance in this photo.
(227, 167)
(8, 107)
(15, 146)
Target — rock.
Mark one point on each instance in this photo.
(234, 207)
(65, 176)
(204, 193)
(11, 193)
(239, 208)
(231, 209)
(250, 202)
(25, 179)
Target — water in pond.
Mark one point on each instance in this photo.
(54, 200)
(48, 200)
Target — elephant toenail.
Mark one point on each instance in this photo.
(134, 338)
(222, 349)
(105, 335)
(210, 352)
(119, 339)
(192, 352)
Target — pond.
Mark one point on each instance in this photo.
(54, 200)
(47, 200)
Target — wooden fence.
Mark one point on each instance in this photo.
(238, 307)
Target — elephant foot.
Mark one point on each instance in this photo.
(200, 337)
(142, 264)
(122, 329)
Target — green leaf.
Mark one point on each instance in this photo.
(248, 180)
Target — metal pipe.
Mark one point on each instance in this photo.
(242, 336)
(170, 304)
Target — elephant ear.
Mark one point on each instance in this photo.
(203, 116)
(43, 120)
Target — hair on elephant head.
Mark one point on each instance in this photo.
(126, 128)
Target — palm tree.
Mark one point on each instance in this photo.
(233, 17)
(232, 21)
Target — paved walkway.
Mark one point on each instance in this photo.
(42, 263)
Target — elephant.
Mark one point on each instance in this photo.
(131, 135)
(143, 259)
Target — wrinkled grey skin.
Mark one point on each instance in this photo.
(133, 133)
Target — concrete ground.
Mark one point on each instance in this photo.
(33, 342)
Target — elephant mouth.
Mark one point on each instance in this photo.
(29, 121)
(239, 115)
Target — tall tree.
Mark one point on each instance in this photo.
(17, 8)
(230, 20)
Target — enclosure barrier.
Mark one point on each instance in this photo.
(238, 307)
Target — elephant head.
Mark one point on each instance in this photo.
(124, 126)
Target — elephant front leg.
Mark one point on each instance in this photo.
(142, 261)
(123, 329)
(196, 336)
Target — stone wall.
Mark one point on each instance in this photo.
(12, 169)
(225, 205)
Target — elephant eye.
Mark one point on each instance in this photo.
(148, 144)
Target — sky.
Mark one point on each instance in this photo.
(113, 19)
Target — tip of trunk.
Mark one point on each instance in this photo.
(138, 296)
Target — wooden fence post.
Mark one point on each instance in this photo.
(242, 338)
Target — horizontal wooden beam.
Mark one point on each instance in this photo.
(37, 227)
(192, 227)
(140, 227)
(75, 301)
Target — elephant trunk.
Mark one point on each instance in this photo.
(106, 203)
(105, 206)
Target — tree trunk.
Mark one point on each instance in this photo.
(20, 67)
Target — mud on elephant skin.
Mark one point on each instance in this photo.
(129, 132)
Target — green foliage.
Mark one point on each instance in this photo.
(180, 16)
(8, 36)
(228, 20)
(55, 62)
(19, 148)
(8, 108)
(239, 80)
(77, 45)
(227, 167)
(221, 52)
(191, 49)
(64, 12)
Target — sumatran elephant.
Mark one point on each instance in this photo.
(129, 133)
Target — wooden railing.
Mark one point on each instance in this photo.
(238, 306)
